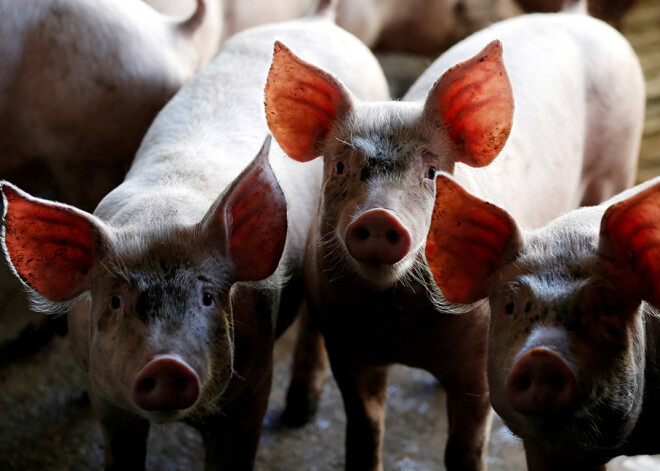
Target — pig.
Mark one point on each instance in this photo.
(410, 26)
(82, 81)
(186, 272)
(612, 11)
(579, 108)
(574, 325)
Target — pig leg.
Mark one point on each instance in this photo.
(308, 373)
(363, 389)
(463, 376)
(232, 435)
(541, 456)
(125, 438)
(469, 417)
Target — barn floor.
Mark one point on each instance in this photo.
(46, 424)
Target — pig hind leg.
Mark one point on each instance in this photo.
(308, 373)
(613, 138)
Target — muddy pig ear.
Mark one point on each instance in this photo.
(250, 216)
(52, 247)
(630, 230)
(473, 102)
(302, 103)
(467, 242)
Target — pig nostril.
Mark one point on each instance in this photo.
(392, 237)
(524, 382)
(362, 233)
(148, 384)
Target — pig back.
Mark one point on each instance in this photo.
(81, 82)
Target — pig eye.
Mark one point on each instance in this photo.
(431, 172)
(115, 302)
(207, 299)
(340, 168)
(509, 308)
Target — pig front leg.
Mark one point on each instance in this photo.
(363, 389)
(469, 416)
(231, 435)
(125, 438)
(460, 367)
(541, 456)
(308, 373)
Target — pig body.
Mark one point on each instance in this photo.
(572, 362)
(368, 282)
(82, 81)
(163, 326)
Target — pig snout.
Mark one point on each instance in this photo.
(378, 235)
(166, 383)
(541, 382)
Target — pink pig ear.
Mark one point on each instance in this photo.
(251, 216)
(473, 101)
(631, 228)
(467, 242)
(52, 247)
(302, 103)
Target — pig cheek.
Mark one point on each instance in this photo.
(505, 339)
(114, 362)
(219, 365)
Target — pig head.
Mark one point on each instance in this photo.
(380, 159)
(571, 361)
(153, 322)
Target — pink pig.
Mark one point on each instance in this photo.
(572, 351)
(573, 139)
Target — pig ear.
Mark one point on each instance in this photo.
(52, 247)
(302, 103)
(251, 217)
(467, 242)
(473, 102)
(630, 230)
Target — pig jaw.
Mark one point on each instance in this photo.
(605, 358)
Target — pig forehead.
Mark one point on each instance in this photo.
(562, 257)
(369, 128)
(169, 264)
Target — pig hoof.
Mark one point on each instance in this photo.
(300, 407)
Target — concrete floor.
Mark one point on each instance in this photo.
(45, 423)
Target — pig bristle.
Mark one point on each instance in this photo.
(52, 308)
